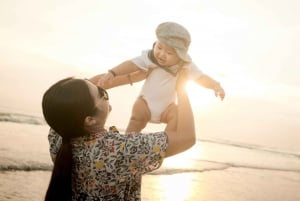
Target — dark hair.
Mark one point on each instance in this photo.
(65, 105)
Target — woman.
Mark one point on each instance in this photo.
(91, 163)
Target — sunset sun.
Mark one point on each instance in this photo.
(200, 96)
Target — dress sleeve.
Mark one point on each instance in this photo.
(146, 152)
(55, 142)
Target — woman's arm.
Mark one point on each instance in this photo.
(185, 136)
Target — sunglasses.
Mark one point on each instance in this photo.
(103, 93)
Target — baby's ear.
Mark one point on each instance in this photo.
(89, 121)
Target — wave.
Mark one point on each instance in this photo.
(21, 118)
(199, 166)
(26, 167)
(38, 120)
(172, 171)
(261, 160)
(282, 159)
(250, 147)
(161, 171)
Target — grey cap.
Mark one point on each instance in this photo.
(176, 36)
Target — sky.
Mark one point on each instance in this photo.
(253, 43)
(251, 47)
(246, 39)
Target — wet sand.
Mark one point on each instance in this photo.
(233, 184)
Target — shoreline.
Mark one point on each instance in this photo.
(240, 184)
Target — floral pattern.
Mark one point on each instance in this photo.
(109, 165)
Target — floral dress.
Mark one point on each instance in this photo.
(109, 165)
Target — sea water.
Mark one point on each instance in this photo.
(211, 170)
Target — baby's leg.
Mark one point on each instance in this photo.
(139, 117)
(169, 116)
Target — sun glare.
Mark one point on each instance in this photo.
(199, 96)
(176, 187)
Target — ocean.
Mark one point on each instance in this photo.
(212, 170)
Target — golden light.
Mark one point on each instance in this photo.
(200, 96)
(177, 184)
(176, 187)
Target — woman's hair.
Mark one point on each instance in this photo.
(65, 105)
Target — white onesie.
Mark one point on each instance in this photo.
(159, 89)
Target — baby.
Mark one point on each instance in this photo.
(159, 67)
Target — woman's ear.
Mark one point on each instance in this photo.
(89, 121)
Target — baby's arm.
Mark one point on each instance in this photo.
(120, 75)
(210, 83)
(119, 80)
(124, 68)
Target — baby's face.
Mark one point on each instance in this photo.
(165, 55)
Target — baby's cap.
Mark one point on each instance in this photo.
(176, 36)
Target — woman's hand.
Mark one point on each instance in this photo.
(105, 78)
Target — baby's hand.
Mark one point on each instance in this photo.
(105, 78)
(219, 91)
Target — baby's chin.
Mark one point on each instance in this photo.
(161, 62)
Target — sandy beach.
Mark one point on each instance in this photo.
(208, 172)
(234, 184)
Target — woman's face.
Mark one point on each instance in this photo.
(165, 55)
(100, 97)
